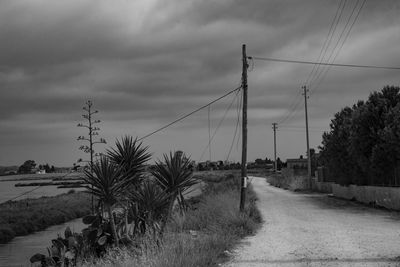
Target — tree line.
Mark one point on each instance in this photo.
(363, 144)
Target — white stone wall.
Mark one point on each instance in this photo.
(388, 197)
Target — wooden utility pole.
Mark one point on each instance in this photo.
(244, 130)
(307, 138)
(275, 126)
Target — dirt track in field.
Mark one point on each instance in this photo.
(312, 229)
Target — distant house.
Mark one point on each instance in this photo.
(41, 171)
(297, 163)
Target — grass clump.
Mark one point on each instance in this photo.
(199, 237)
(26, 216)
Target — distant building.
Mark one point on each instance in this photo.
(43, 171)
(297, 163)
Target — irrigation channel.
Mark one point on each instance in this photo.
(19, 250)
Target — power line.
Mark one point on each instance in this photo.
(218, 126)
(334, 51)
(189, 114)
(293, 111)
(295, 127)
(301, 130)
(325, 64)
(239, 105)
(317, 74)
(327, 41)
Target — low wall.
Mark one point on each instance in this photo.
(388, 197)
(295, 179)
(324, 187)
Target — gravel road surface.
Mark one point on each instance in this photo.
(310, 229)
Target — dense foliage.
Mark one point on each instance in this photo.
(27, 167)
(26, 216)
(363, 145)
(202, 236)
(130, 203)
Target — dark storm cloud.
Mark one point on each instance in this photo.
(145, 63)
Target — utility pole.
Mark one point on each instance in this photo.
(307, 137)
(244, 130)
(275, 126)
(93, 131)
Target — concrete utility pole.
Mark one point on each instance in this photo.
(244, 130)
(307, 137)
(275, 126)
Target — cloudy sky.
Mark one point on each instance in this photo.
(144, 63)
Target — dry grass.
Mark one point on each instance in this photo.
(201, 237)
(26, 216)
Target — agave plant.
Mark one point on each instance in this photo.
(175, 176)
(150, 204)
(108, 183)
(131, 156)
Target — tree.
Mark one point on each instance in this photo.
(259, 161)
(27, 167)
(334, 150)
(268, 161)
(278, 164)
(363, 144)
(46, 167)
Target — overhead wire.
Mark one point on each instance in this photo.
(342, 44)
(325, 64)
(239, 105)
(339, 41)
(187, 115)
(293, 108)
(219, 125)
(328, 39)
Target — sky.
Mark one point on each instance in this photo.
(145, 63)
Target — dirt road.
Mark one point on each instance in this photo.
(317, 230)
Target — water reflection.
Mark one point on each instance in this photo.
(20, 249)
(9, 191)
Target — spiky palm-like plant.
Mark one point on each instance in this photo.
(151, 202)
(174, 175)
(106, 182)
(131, 155)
